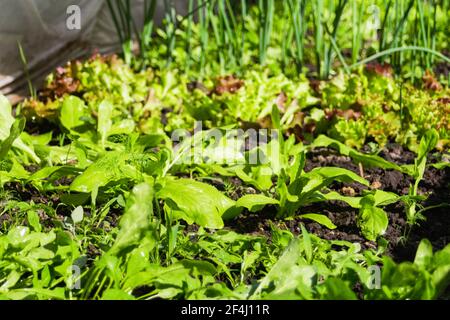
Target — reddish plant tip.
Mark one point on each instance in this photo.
(430, 82)
(228, 84)
(383, 69)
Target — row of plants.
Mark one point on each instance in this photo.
(368, 106)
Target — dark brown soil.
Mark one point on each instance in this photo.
(403, 239)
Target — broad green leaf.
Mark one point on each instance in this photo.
(337, 289)
(298, 285)
(221, 150)
(137, 261)
(112, 166)
(16, 128)
(319, 218)
(144, 277)
(259, 177)
(442, 257)
(255, 202)
(10, 130)
(14, 173)
(354, 202)
(136, 220)
(383, 198)
(199, 202)
(203, 267)
(427, 143)
(323, 176)
(424, 253)
(33, 220)
(441, 279)
(72, 109)
(372, 221)
(380, 198)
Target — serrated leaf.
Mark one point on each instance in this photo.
(372, 221)
(112, 166)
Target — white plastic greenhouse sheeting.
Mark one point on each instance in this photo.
(41, 28)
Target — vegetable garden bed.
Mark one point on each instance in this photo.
(127, 178)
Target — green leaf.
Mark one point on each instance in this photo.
(255, 202)
(307, 245)
(383, 198)
(10, 130)
(354, 202)
(276, 117)
(441, 165)
(54, 172)
(105, 110)
(320, 218)
(203, 267)
(116, 294)
(77, 214)
(16, 128)
(373, 222)
(322, 176)
(125, 126)
(33, 220)
(6, 118)
(337, 289)
(427, 143)
(198, 202)
(112, 166)
(281, 270)
(136, 220)
(424, 253)
(14, 173)
(441, 279)
(72, 109)
(57, 293)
